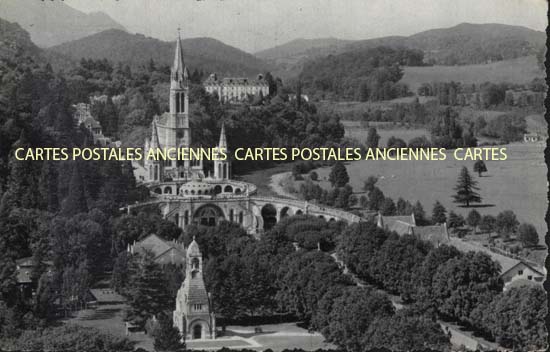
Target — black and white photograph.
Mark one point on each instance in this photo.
(273, 175)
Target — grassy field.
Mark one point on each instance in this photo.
(518, 184)
(521, 70)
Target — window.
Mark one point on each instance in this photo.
(197, 306)
(529, 277)
(520, 272)
(182, 103)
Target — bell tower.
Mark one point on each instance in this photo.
(222, 168)
(193, 315)
(179, 101)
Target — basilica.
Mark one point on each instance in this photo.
(187, 195)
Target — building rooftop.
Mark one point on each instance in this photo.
(435, 234)
(505, 262)
(106, 296)
(160, 247)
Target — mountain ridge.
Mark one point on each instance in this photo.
(203, 53)
(462, 44)
(53, 22)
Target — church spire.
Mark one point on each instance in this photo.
(179, 70)
(154, 135)
(178, 57)
(223, 139)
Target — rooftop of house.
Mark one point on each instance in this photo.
(25, 267)
(435, 234)
(106, 295)
(158, 246)
(505, 262)
(401, 224)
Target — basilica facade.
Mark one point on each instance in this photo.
(187, 195)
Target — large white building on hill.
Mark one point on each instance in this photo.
(234, 89)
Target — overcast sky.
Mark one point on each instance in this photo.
(254, 25)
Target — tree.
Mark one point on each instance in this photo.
(303, 280)
(376, 199)
(473, 219)
(369, 183)
(167, 337)
(394, 142)
(420, 142)
(405, 331)
(487, 223)
(358, 243)
(388, 207)
(455, 220)
(404, 207)
(423, 276)
(438, 213)
(516, 318)
(480, 167)
(338, 175)
(71, 337)
(506, 222)
(462, 283)
(465, 189)
(148, 291)
(76, 199)
(419, 214)
(352, 314)
(527, 234)
(372, 138)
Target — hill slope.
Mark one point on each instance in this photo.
(207, 54)
(15, 42)
(464, 44)
(53, 22)
(467, 43)
(520, 71)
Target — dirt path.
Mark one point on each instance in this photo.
(276, 186)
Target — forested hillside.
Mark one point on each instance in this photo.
(464, 44)
(468, 43)
(365, 74)
(207, 54)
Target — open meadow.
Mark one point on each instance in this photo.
(520, 70)
(518, 183)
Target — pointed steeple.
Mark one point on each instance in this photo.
(155, 143)
(223, 139)
(178, 66)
